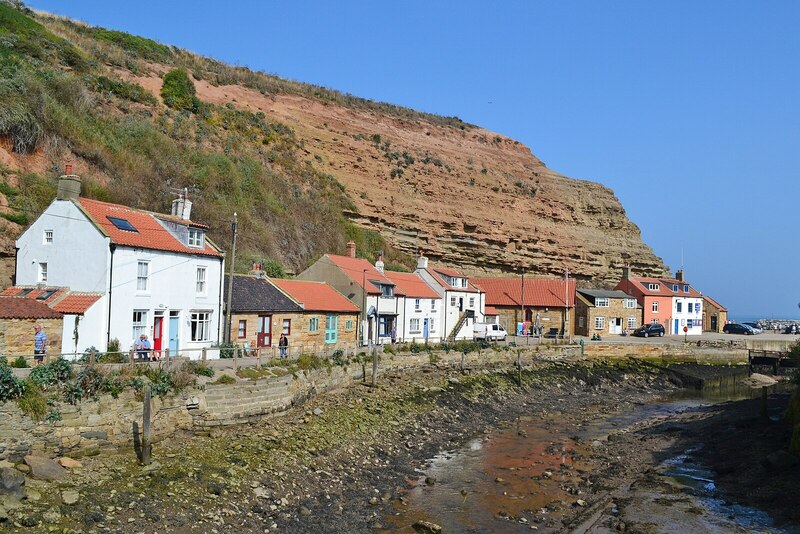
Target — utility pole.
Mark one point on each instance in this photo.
(234, 228)
(522, 304)
(364, 318)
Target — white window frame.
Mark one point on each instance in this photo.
(631, 323)
(42, 275)
(453, 301)
(629, 303)
(413, 326)
(200, 325)
(47, 237)
(686, 288)
(313, 325)
(417, 305)
(654, 306)
(652, 287)
(602, 302)
(471, 302)
(142, 280)
(431, 325)
(201, 286)
(348, 324)
(242, 331)
(599, 323)
(433, 305)
(195, 238)
(581, 321)
(139, 323)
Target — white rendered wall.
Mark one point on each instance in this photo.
(410, 312)
(91, 330)
(683, 316)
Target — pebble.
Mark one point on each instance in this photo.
(70, 497)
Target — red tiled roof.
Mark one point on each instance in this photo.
(149, 234)
(61, 300)
(540, 292)
(435, 273)
(680, 293)
(664, 287)
(316, 296)
(714, 303)
(76, 303)
(490, 310)
(412, 285)
(25, 308)
(354, 269)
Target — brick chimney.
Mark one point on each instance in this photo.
(351, 249)
(626, 271)
(679, 275)
(182, 206)
(258, 270)
(422, 261)
(379, 263)
(69, 185)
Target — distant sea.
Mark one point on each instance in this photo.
(750, 318)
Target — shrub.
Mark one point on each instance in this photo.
(113, 345)
(53, 373)
(130, 91)
(20, 363)
(179, 92)
(225, 350)
(307, 362)
(199, 368)
(10, 386)
(32, 402)
(338, 357)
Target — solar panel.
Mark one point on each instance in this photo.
(122, 224)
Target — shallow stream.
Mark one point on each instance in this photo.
(507, 480)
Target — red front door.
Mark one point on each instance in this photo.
(157, 320)
(264, 336)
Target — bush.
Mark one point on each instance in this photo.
(54, 373)
(226, 350)
(10, 386)
(307, 362)
(32, 402)
(179, 92)
(129, 91)
(198, 368)
(20, 363)
(224, 379)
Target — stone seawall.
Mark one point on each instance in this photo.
(109, 422)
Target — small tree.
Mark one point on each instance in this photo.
(179, 92)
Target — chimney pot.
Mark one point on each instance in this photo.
(379, 263)
(68, 169)
(351, 249)
(626, 272)
(679, 275)
(422, 261)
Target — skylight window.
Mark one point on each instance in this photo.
(46, 295)
(24, 292)
(122, 224)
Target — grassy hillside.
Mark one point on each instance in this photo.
(60, 99)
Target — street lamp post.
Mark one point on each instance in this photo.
(363, 304)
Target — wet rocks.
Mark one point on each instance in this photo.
(44, 468)
(12, 482)
(780, 460)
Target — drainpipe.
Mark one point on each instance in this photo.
(111, 247)
(221, 285)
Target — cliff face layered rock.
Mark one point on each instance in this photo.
(467, 197)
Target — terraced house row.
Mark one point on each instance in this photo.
(95, 272)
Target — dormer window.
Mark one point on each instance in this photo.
(387, 290)
(675, 287)
(195, 238)
(686, 289)
(652, 287)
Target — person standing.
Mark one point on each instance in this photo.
(39, 344)
(283, 345)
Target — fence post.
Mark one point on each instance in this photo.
(374, 366)
(258, 357)
(519, 367)
(204, 354)
(146, 447)
(92, 357)
(130, 356)
(166, 356)
(235, 353)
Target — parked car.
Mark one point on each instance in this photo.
(791, 329)
(650, 330)
(754, 326)
(489, 332)
(738, 328)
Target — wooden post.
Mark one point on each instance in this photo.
(258, 357)
(131, 357)
(146, 447)
(463, 358)
(235, 354)
(204, 354)
(374, 366)
(764, 402)
(519, 368)
(166, 356)
(92, 357)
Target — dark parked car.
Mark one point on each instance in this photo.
(791, 329)
(650, 330)
(736, 328)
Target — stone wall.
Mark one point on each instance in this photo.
(16, 336)
(300, 337)
(109, 422)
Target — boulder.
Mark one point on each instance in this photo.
(45, 468)
(427, 527)
(69, 463)
(12, 482)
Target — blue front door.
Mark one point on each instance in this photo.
(425, 329)
(174, 326)
(676, 327)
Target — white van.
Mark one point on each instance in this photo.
(489, 332)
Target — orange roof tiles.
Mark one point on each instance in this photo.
(25, 308)
(149, 234)
(412, 285)
(490, 310)
(542, 292)
(76, 303)
(664, 287)
(316, 296)
(354, 268)
(437, 272)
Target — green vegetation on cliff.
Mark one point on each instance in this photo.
(60, 99)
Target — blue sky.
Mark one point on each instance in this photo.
(688, 110)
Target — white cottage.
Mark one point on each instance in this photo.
(158, 274)
(463, 302)
(422, 309)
